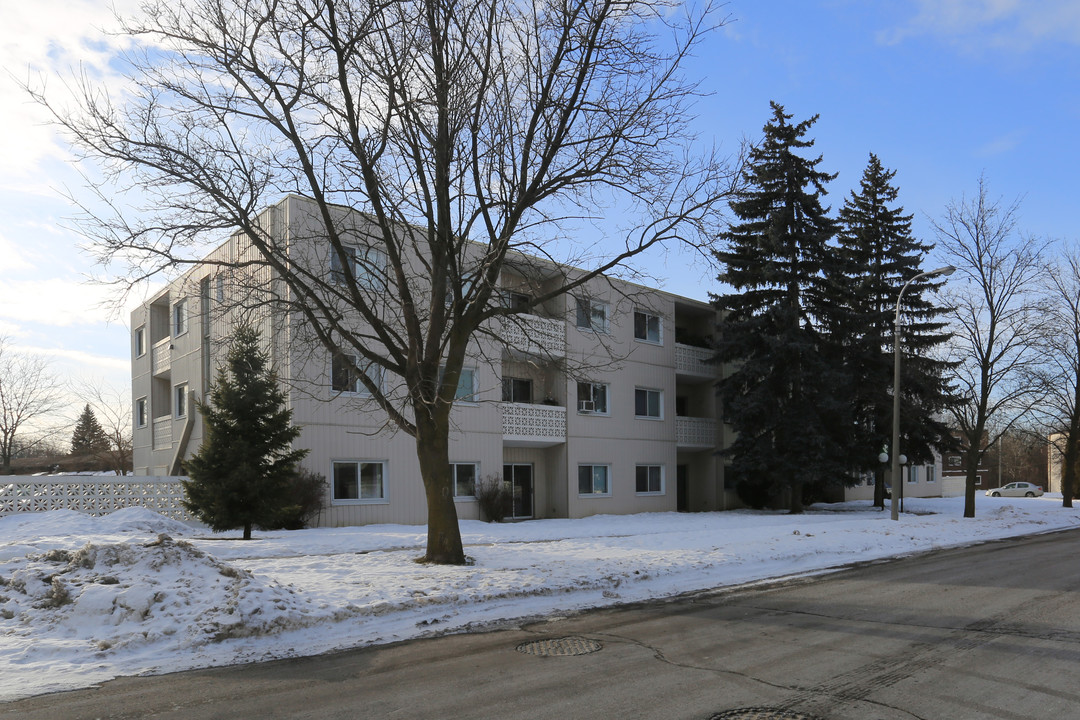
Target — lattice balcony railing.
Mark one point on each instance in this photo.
(94, 495)
(161, 356)
(695, 432)
(534, 422)
(535, 335)
(694, 360)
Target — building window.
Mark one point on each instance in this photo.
(180, 400)
(592, 315)
(140, 412)
(466, 386)
(593, 480)
(954, 461)
(219, 287)
(931, 473)
(179, 318)
(647, 327)
(344, 378)
(649, 479)
(516, 390)
(592, 398)
(140, 341)
(648, 403)
(516, 301)
(367, 263)
(464, 476)
(913, 473)
(359, 481)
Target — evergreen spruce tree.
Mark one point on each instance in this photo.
(89, 436)
(880, 255)
(241, 475)
(785, 397)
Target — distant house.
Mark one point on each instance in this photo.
(925, 480)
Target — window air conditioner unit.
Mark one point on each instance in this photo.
(586, 406)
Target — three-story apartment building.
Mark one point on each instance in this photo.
(601, 401)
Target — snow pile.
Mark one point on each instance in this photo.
(84, 599)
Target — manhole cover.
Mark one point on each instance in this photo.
(560, 647)
(762, 713)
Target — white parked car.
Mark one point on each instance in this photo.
(1017, 489)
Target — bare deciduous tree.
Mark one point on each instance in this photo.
(1062, 406)
(472, 134)
(998, 323)
(29, 392)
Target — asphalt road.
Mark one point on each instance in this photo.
(991, 631)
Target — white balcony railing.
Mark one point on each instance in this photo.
(161, 357)
(692, 432)
(162, 432)
(535, 335)
(690, 360)
(533, 424)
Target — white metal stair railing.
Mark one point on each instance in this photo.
(92, 494)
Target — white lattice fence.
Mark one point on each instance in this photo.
(94, 495)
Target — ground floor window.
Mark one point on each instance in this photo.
(359, 480)
(593, 480)
(913, 473)
(649, 479)
(931, 474)
(464, 476)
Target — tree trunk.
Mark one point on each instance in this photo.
(1068, 469)
(432, 449)
(796, 499)
(879, 488)
(247, 531)
(971, 458)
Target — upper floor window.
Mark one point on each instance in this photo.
(140, 412)
(180, 401)
(648, 403)
(180, 318)
(140, 341)
(516, 390)
(345, 379)
(592, 315)
(464, 476)
(368, 265)
(592, 397)
(516, 301)
(219, 287)
(647, 327)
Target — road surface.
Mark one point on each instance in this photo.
(991, 631)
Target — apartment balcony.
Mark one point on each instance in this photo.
(693, 433)
(535, 335)
(161, 357)
(162, 432)
(692, 363)
(533, 425)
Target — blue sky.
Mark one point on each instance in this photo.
(940, 90)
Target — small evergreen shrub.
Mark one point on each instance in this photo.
(303, 501)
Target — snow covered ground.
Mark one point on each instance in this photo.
(85, 599)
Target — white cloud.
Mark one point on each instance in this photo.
(976, 25)
(36, 43)
(61, 302)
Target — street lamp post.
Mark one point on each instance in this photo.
(894, 448)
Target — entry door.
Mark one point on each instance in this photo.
(520, 479)
(682, 477)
